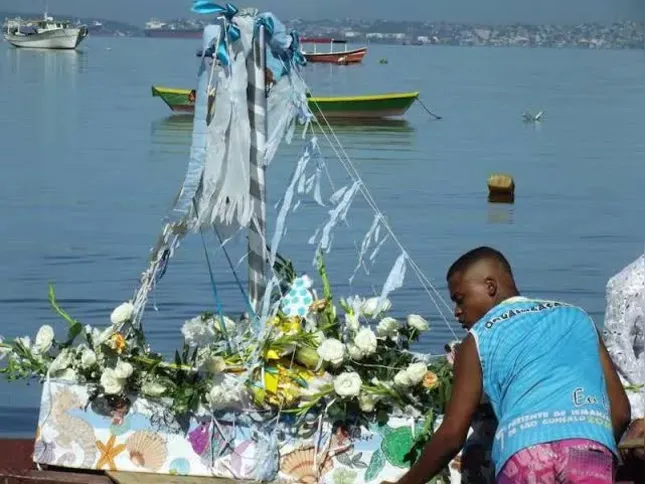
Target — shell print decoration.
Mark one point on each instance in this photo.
(299, 298)
(147, 450)
(298, 466)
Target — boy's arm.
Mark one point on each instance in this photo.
(449, 438)
(618, 402)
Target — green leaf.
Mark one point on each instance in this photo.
(74, 330)
(61, 312)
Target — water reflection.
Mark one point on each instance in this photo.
(54, 63)
(499, 213)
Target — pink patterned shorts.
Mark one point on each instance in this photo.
(564, 461)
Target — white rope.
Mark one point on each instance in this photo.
(355, 176)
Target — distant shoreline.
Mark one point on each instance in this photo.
(617, 35)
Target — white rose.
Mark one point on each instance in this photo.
(88, 358)
(372, 308)
(214, 364)
(198, 332)
(387, 328)
(61, 362)
(44, 340)
(112, 385)
(402, 379)
(332, 350)
(355, 353)
(122, 313)
(152, 389)
(365, 341)
(123, 370)
(416, 372)
(351, 320)
(417, 322)
(367, 402)
(347, 384)
(100, 337)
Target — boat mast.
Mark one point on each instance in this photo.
(257, 108)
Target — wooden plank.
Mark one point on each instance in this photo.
(120, 477)
(51, 477)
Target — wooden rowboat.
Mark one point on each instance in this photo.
(335, 107)
(352, 56)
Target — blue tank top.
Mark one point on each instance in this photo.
(541, 371)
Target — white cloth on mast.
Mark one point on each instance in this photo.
(224, 198)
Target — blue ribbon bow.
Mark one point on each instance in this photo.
(230, 31)
(296, 51)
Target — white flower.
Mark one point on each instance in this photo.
(214, 364)
(372, 308)
(229, 324)
(61, 362)
(348, 384)
(387, 328)
(351, 320)
(111, 383)
(122, 314)
(123, 370)
(88, 358)
(152, 389)
(355, 353)
(44, 340)
(3, 350)
(226, 391)
(332, 350)
(417, 322)
(198, 332)
(100, 337)
(402, 379)
(416, 372)
(365, 340)
(367, 402)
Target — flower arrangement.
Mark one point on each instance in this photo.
(310, 358)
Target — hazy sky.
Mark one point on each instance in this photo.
(485, 11)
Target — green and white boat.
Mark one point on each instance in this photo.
(375, 106)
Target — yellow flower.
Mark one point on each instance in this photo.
(430, 380)
(117, 342)
(318, 305)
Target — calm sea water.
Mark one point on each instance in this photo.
(90, 164)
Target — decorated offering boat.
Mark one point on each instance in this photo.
(305, 386)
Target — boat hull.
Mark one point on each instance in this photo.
(354, 56)
(67, 39)
(340, 107)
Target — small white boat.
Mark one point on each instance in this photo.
(45, 33)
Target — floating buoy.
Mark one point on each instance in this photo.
(501, 188)
(383, 60)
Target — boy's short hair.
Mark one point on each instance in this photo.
(480, 253)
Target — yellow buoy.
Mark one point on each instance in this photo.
(501, 188)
